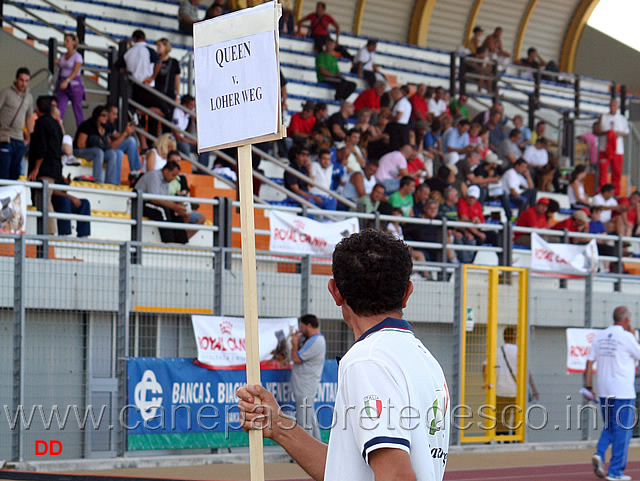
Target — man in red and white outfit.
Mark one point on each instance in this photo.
(612, 128)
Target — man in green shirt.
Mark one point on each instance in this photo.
(459, 107)
(328, 72)
(403, 198)
(369, 203)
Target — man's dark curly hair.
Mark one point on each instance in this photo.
(371, 270)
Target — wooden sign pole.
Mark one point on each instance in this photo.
(250, 295)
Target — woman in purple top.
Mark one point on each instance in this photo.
(70, 85)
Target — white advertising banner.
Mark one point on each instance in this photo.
(221, 340)
(237, 77)
(578, 346)
(563, 258)
(294, 234)
(13, 209)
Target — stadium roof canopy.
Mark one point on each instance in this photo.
(552, 26)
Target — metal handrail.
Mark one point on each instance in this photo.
(37, 17)
(70, 15)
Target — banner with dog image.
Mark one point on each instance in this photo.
(13, 209)
(221, 341)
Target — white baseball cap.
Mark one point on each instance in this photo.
(473, 191)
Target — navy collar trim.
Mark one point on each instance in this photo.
(389, 323)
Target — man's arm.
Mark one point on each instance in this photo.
(391, 464)
(118, 137)
(33, 175)
(267, 417)
(588, 376)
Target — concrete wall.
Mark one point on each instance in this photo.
(604, 57)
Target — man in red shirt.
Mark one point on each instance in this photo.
(535, 217)
(302, 123)
(625, 221)
(420, 109)
(470, 210)
(319, 26)
(370, 99)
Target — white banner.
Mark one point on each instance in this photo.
(563, 258)
(578, 346)
(294, 234)
(237, 76)
(221, 340)
(13, 209)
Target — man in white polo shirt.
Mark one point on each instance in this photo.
(616, 350)
(612, 129)
(391, 418)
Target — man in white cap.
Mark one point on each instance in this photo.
(470, 210)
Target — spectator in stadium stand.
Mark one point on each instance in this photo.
(355, 160)
(455, 142)
(184, 121)
(538, 132)
(393, 166)
(534, 217)
(92, 143)
(518, 185)
(424, 158)
(16, 112)
(365, 64)
(496, 130)
(459, 107)
(188, 14)
(612, 129)
(537, 158)
(327, 71)
(322, 173)
(493, 43)
(525, 132)
(449, 210)
(445, 177)
(369, 203)
(474, 137)
(144, 65)
(509, 150)
(157, 182)
(578, 198)
(215, 10)
(156, 158)
(419, 107)
(625, 220)
(479, 64)
(483, 117)
(302, 164)
(473, 42)
(337, 123)
(45, 153)
(470, 210)
(403, 197)
(361, 182)
(339, 157)
(123, 142)
(437, 106)
(302, 123)
(420, 197)
(433, 141)
(69, 86)
(608, 204)
(319, 22)
(168, 78)
(471, 172)
(398, 127)
(578, 222)
(427, 232)
(364, 124)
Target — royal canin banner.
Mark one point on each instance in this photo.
(294, 234)
(563, 258)
(578, 346)
(222, 345)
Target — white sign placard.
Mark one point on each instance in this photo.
(237, 78)
(563, 258)
(295, 234)
(578, 346)
(221, 340)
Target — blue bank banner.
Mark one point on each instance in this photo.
(176, 404)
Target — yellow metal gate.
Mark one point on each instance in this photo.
(494, 354)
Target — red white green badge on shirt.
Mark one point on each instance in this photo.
(372, 406)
